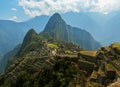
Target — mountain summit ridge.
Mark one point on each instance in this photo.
(54, 20)
(58, 29)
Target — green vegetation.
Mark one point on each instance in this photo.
(88, 53)
(52, 46)
(30, 36)
(101, 72)
(94, 74)
(34, 65)
(94, 84)
(62, 74)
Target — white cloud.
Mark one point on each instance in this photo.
(13, 9)
(48, 7)
(106, 6)
(14, 18)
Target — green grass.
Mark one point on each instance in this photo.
(53, 46)
(94, 74)
(88, 53)
(117, 62)
(101, 72)
(110, 67)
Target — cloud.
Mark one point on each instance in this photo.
(14, 18)
(48, 7)
(13, 9)
(106, 6)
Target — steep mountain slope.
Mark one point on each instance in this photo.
(39, 57)
(43, 62)
(8, 56)
(85, 21)
(30, 37)
(33, 40)
(58, 29)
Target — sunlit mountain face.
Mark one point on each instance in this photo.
(58, 43)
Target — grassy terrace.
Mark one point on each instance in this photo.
(52, 46)
(116, 62)
(101, 72)
(116, 45)
(68, 55)
(87, 62)
(117, 71)
(107, 48)
(94, 74)
(109, 67)
(88, 53)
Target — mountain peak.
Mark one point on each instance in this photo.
(31, 34)
(56, 15)
(58, 29)
(31, 31)
(55, 20)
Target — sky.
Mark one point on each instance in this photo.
(21, 10)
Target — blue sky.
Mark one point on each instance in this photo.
(20, 10)
(10, 10)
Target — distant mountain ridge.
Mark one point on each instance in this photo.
(7, 57)
(11, 34)
(14, 32)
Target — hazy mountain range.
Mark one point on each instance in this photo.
(56, 29)
(104, 28)
(12, 33)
